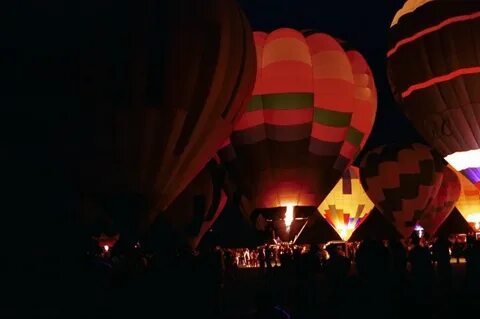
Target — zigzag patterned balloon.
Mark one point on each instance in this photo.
(401, 181)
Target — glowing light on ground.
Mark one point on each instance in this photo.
(106, 248)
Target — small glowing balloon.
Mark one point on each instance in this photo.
(347, 205)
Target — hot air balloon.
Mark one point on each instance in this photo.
(195, 210)
(443, 203)
(159, 107)
(468, 203)
(312, 110)
(401, 181)
(347, 205)
(434, 73)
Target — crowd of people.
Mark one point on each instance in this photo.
(337, 280)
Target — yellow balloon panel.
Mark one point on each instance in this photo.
(347, 205)
(469, 202)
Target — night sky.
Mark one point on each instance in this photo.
(364, 25)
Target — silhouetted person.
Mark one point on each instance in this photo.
(398, 271)
(457, 250)
(441, 253)
(472, 256)
(217, 264)
(262, 259)
(421, 273)
(311, 266)
(373, 287)
(337, 269)
(398, 255)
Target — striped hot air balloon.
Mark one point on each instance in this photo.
(468, 203)
(401, 181)
(434, 72)
(195, 210)
(161, 104)
(443, 203)
(347, 205)
(312, 110)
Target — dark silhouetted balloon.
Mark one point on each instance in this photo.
(160, 97)
(434, 73)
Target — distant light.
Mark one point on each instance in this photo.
(106, 248)
(418, 228)
(288, 216)
(464, 160)
(420, 231)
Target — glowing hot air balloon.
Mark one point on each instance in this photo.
(468, 203)
(434, 72)
(443, 203)
(312, 110)
(401, 182)
(347, 205)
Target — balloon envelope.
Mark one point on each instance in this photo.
(312, 110)
(439, 88)
(347, 205)
(401, 181)
(468, 203)
(161, 102)
(443, 203)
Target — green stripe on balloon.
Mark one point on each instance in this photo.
(354, 136)
(332, 118)
(284, 101)
(255, 103)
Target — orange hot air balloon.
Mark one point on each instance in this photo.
(401, 181)
(434, 73)
(159, 107)
(195, 210)
(312, 110)
(347, 205)
(443, 203)
(468, 203)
